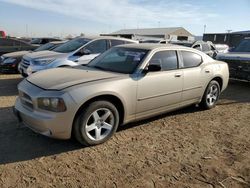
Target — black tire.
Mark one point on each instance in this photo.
(84, 116)
(205, 104)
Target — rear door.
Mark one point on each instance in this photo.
(195, 74)
(159, 90)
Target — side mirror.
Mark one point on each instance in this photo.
(85, 51)
(154, 66)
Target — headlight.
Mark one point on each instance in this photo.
(51, 104)
(2, 58)
(9, 60)
(42, 61)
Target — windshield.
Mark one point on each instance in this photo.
(244, 46)
(47, 46)
(121, 60)
(71, 45)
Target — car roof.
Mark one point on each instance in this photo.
(107, 37)
(58, 42)
(152, 46)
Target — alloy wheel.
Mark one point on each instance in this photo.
(212, 95)
(100, 124)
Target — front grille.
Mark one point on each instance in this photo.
(239, 69)
(26, 100)
(25, 63)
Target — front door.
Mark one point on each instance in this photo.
(158, 91)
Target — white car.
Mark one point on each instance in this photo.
(75, 52)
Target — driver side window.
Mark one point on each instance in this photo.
(97, 47)
(166, 59)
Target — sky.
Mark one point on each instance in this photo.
(42, 18)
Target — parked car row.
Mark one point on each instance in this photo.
(73, 53)
(9, 62)
(126, 83)
(8, 45)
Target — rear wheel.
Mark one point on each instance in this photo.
(96, 123)
(211, 95)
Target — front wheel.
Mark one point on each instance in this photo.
(96, 123)
(211, 95)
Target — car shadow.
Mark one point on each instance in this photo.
(236, 92)
(19, 143)
(6, 86)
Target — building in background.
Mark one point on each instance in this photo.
(231, 39)
(171, 33)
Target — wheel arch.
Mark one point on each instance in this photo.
(219, 80)
(116, 101)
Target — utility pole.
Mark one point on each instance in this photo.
(205, 27)
(27, 30)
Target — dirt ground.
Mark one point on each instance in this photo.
(186, 148)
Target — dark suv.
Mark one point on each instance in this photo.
(238, 60)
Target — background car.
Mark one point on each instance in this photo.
(206, 47)
(8, 45)
(127, 83)
(75, 52)
(222, 48)
(44, 40)
(2, 34)
(9, 62)
(238, 60)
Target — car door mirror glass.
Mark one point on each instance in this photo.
(154, 65)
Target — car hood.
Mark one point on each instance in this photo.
(234, 56)
(61, 78)
(15, 54)
(44, 55)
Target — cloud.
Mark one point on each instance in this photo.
(126, 12)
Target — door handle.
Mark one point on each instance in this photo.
(177, 75)
(207, 71)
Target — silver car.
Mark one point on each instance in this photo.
(75, 52)
(124, 84)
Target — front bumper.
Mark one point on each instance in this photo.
(55, 125)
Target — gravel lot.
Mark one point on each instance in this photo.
(186, 148)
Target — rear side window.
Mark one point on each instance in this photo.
(97, 47)
(116, 42)
(191, 59)
(167, 59)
